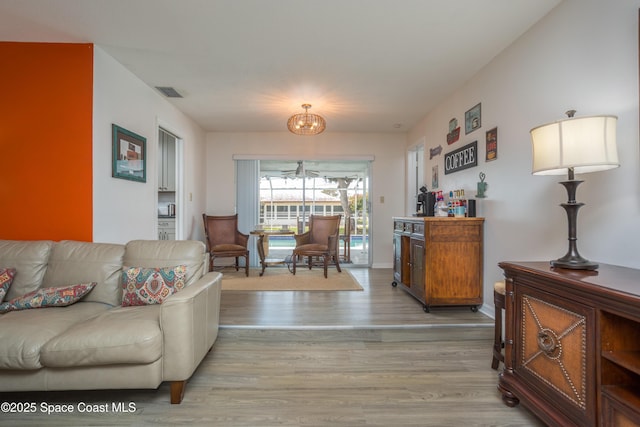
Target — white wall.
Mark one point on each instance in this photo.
(387, 172)
(125, 210)
(583, 56)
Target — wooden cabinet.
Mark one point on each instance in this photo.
(572, 353)
(166, 163)
(620, 369)
(439, 260)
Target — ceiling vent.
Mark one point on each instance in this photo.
(169, 92)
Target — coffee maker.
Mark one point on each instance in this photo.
(426, 202)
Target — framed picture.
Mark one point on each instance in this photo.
(129, 155)
(434, 177)
(492, 145)
(472, 119)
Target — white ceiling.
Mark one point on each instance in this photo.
(247, 65)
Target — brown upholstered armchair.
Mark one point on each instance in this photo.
(224, 240)
(345, 238)
(320, 241)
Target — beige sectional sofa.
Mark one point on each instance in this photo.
(96, 343)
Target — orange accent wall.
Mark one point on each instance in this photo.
(46, 114)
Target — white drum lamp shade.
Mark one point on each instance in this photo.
(586, 144)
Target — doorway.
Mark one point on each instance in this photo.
(291, 190)
(169, 185)
(415, 175)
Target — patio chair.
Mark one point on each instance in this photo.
(320, 241)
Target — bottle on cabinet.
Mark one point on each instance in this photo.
(461, 205)
(456, 206)
(440, 208)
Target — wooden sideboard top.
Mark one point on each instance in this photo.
(436, 218)
(621, 281)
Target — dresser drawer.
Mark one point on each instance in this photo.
(164, 223)
(455, 232)
(418, 228)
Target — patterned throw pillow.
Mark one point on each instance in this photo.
(145, 286)
(6, 277)
(48, 297)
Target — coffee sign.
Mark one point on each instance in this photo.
(462, 158)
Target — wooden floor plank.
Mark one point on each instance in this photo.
(318, 359)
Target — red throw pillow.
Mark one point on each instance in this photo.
(6, 277)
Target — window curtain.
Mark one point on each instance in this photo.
(248, 202)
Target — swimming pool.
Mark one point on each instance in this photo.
(289, 241)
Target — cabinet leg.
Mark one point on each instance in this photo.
(426, 308)
(508, 398)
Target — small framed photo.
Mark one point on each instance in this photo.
(129, 155)
(492, 145)
(472, 119)
(434, 177)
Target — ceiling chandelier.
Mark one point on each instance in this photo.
(306, 123)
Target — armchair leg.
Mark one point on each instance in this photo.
(326, 264)
(246, 264)
(336, 259)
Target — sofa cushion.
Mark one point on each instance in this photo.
(48, 297)
(29, 258)
(81, 262)
(23, 333)
(6, 277)
(143, 286)
(168, 253)
(120, 335)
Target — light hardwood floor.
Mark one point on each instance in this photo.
(370, 358)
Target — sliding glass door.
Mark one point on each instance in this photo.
(291, 190)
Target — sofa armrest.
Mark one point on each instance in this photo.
(189, 321)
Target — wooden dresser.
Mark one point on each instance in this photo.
(439, 260)
(572, 344)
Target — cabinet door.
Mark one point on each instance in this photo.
(161, 160)
(397, 258)
(170, 168)
(167, 229)
(401, 261)
(166, 163)
(417, 269)
(554, 348)
(454, 264)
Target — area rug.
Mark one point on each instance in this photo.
(281, 279)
